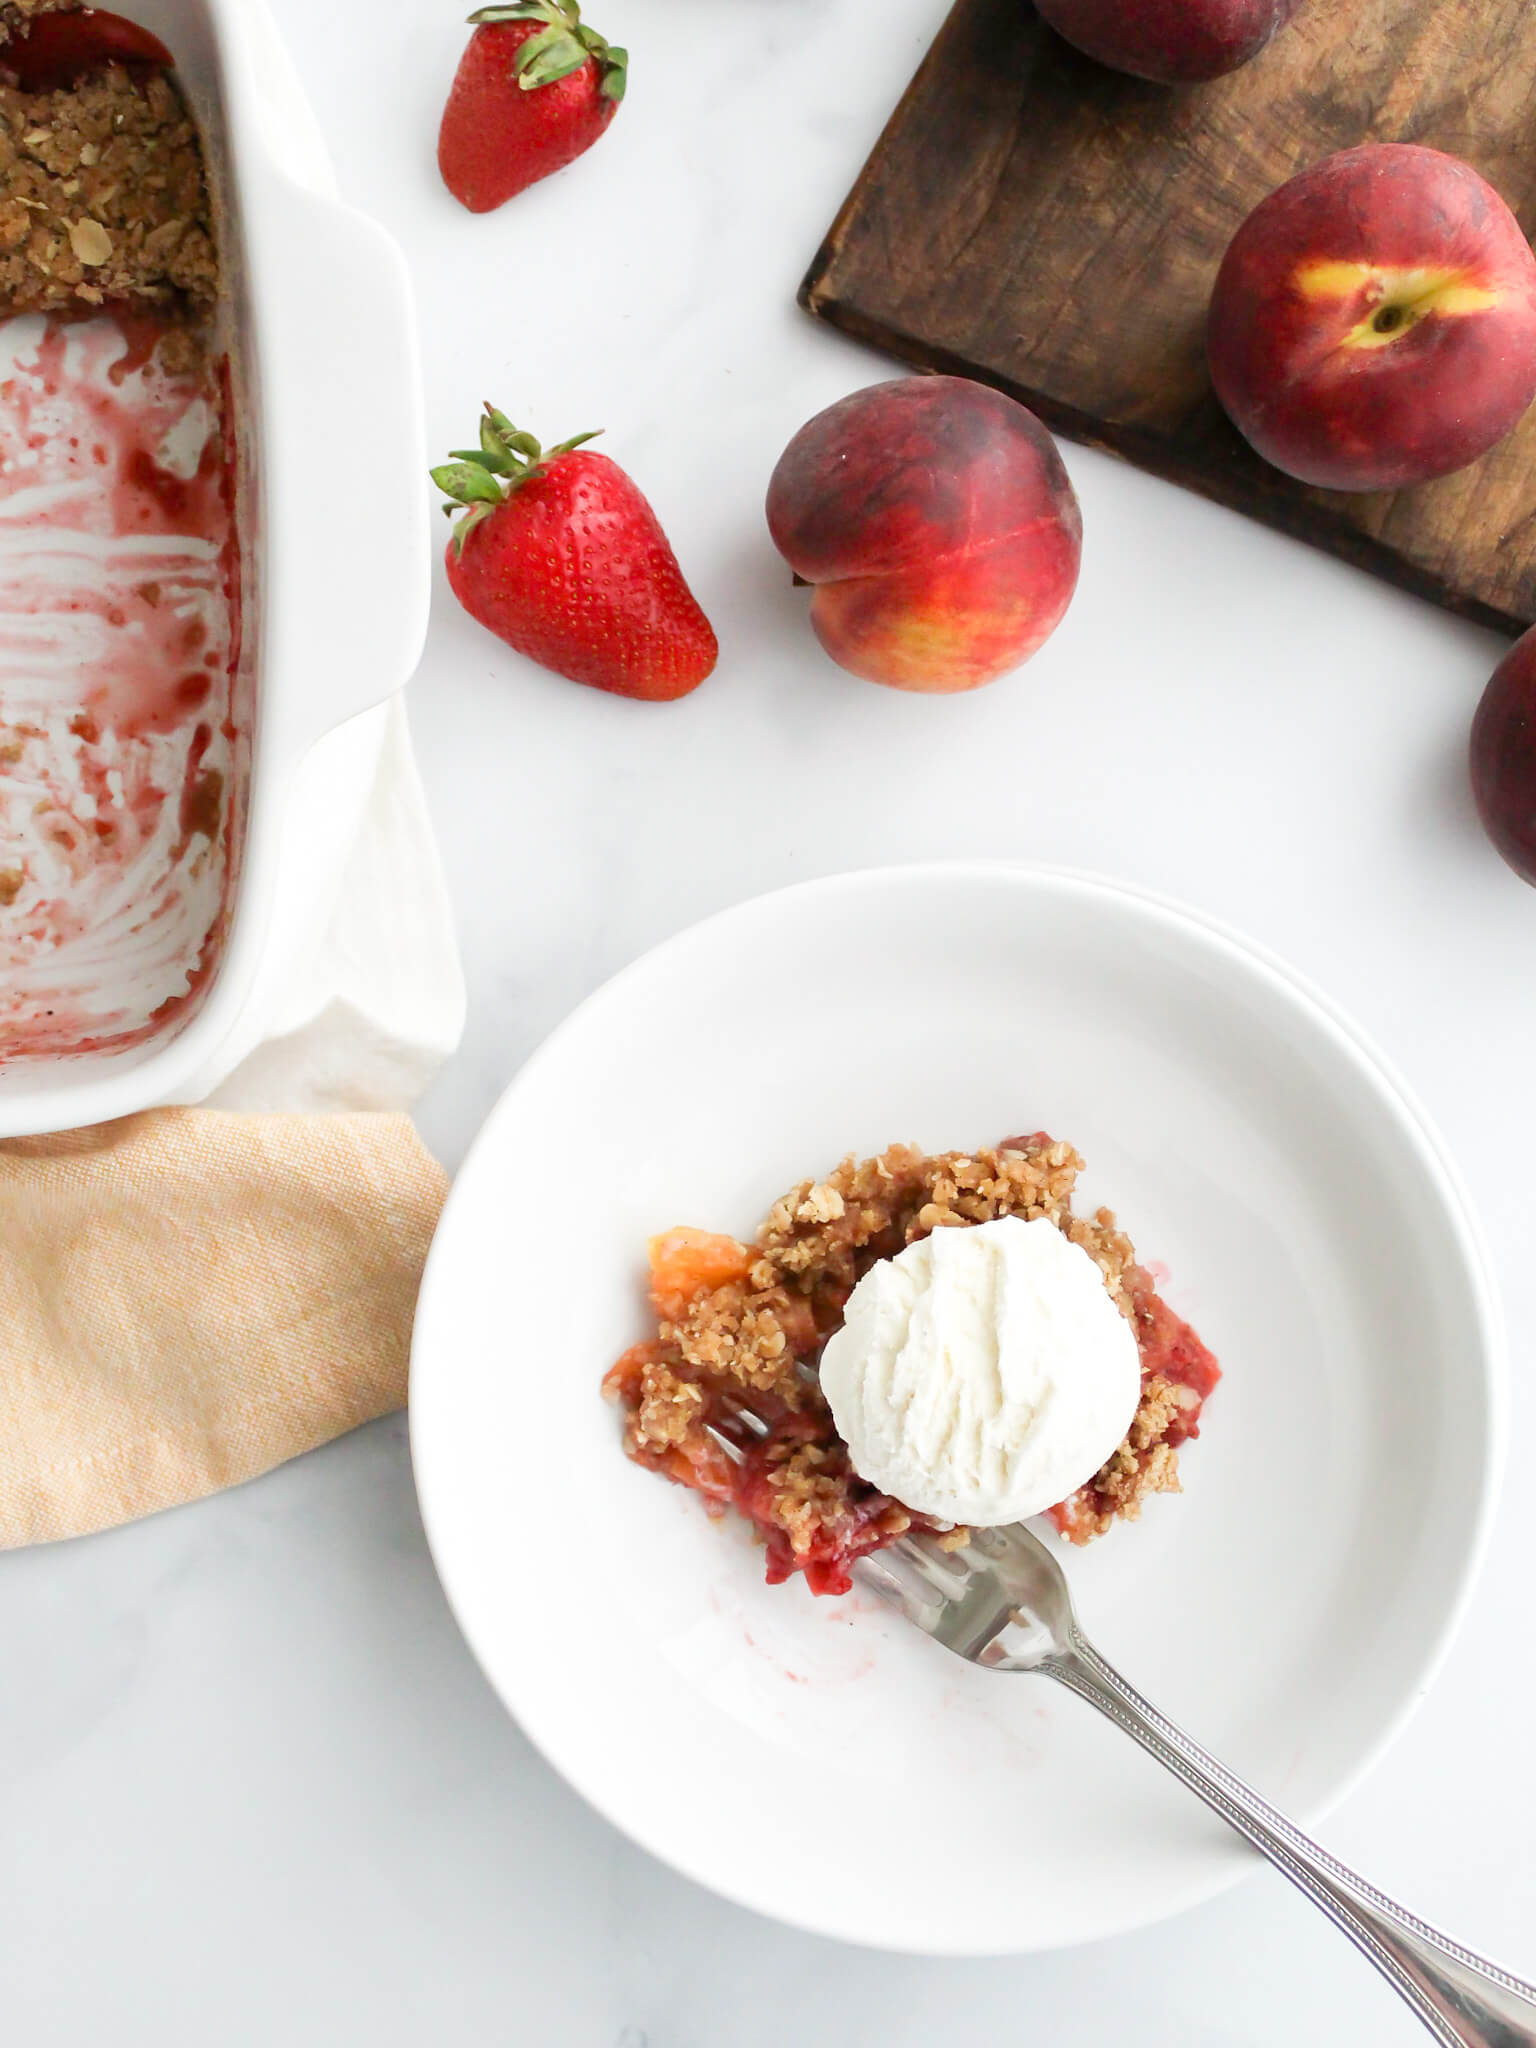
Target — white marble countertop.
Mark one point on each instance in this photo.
(255, 1790)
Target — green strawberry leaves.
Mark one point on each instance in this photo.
(552, 54)
(483, 478)
(561, 47)
(501, 448)
(467, 483)
(468, 523)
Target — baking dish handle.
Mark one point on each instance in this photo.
(344, 508)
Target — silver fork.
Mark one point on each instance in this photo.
(1003, 1603)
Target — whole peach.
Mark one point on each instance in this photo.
(1172, 42)
(1374, 321)
(939, 527)
(1504, 757)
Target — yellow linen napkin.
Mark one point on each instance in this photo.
(190, 1297)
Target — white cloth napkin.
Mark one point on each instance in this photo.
(355, 1007)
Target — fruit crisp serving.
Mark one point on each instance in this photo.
(741, 1326)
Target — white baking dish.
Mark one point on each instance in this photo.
(333, 515)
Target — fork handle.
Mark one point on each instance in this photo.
(1464, 2000)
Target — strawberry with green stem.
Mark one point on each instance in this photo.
(557, 552)
(535, 88)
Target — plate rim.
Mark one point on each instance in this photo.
(1365, 1055)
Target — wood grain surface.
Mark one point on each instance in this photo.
(1053, 228)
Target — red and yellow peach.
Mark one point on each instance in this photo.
(937, 522)
(1373, 323)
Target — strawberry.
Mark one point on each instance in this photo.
(560, 556)
(534, 89)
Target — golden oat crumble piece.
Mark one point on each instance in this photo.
(832, 1230)
(182, 349)
(744, 1333)
(1144, 1464)
(668, 1409)
(808, 1488)
(103, 196)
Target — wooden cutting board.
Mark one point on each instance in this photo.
(1033, 220)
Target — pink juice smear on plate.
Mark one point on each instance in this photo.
(120, 753)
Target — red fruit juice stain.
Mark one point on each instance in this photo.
(122, 748)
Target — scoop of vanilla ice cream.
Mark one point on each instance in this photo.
(983, 1373)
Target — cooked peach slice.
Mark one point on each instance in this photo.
(686, 1263)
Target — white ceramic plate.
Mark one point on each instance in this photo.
(816, 1759)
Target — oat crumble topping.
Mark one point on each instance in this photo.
(745, 1324)
(103, 197)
